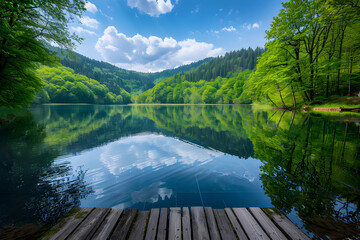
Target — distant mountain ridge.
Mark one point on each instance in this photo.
(116, 78)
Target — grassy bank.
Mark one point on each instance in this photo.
(345, 102)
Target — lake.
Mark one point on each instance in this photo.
(55, 157)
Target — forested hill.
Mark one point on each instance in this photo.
(232, 62)
(220, 80)
(159, 76)
(116, 78)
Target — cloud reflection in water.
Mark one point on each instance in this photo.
(152, 170)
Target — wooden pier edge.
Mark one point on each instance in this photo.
(175, 223)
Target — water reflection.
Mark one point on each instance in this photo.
(155, 151)
(56, 157)
(149, 170)
(33, 187)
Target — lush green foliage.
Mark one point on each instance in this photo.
(160, 76)
(220, 80)
(313, 53)
(219, 90)
(62, 85)
(232, 62)
(116, 78)
(24, 28)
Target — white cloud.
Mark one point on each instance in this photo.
(89, 22)
(152, 7)
(81, 30)
(229, 29)
(251, 26)
(196, 10)
(91, 7)
(153, 53)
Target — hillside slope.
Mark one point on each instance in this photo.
(220, 80)
(62, 85)
(114, 77)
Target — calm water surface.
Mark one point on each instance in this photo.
(56, 157)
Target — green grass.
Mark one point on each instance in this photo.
(335, 104)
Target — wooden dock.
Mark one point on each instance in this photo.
(176, 223)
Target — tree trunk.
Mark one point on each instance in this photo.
(311, 76)
(279, 91)
(350, 71)
(340, 56)
(271, 101)
(294, 98)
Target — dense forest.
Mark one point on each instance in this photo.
(116, 78)
(223, 66)
(62, 85)
(313, 53)
(220, 80)
(84, 80)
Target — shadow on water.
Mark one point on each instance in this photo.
(310, 164)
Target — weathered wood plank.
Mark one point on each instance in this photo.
(138, 231)
(186, 225)
(290, 230)
(251, 227)
(199, 228)
(268, 226)
(122, 228)
(89, 226)
(236, 225)
(213, 229)
(175, 224)
(108, 225)
(153, 223)
(161, 234)
(223, 223)
(68, 225)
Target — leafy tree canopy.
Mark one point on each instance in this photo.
(312, 54)
(25, 27)
(62, 85)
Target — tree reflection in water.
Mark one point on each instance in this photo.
(35, 191)
(311, 163)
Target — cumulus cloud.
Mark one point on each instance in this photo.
(229, 29)
(91, 7)
(89, 22)
(81, 30)
(153, 53)
(152, 7)
(251, 26)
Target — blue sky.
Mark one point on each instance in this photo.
(153, 35)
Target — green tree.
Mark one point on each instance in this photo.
(25, 28)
